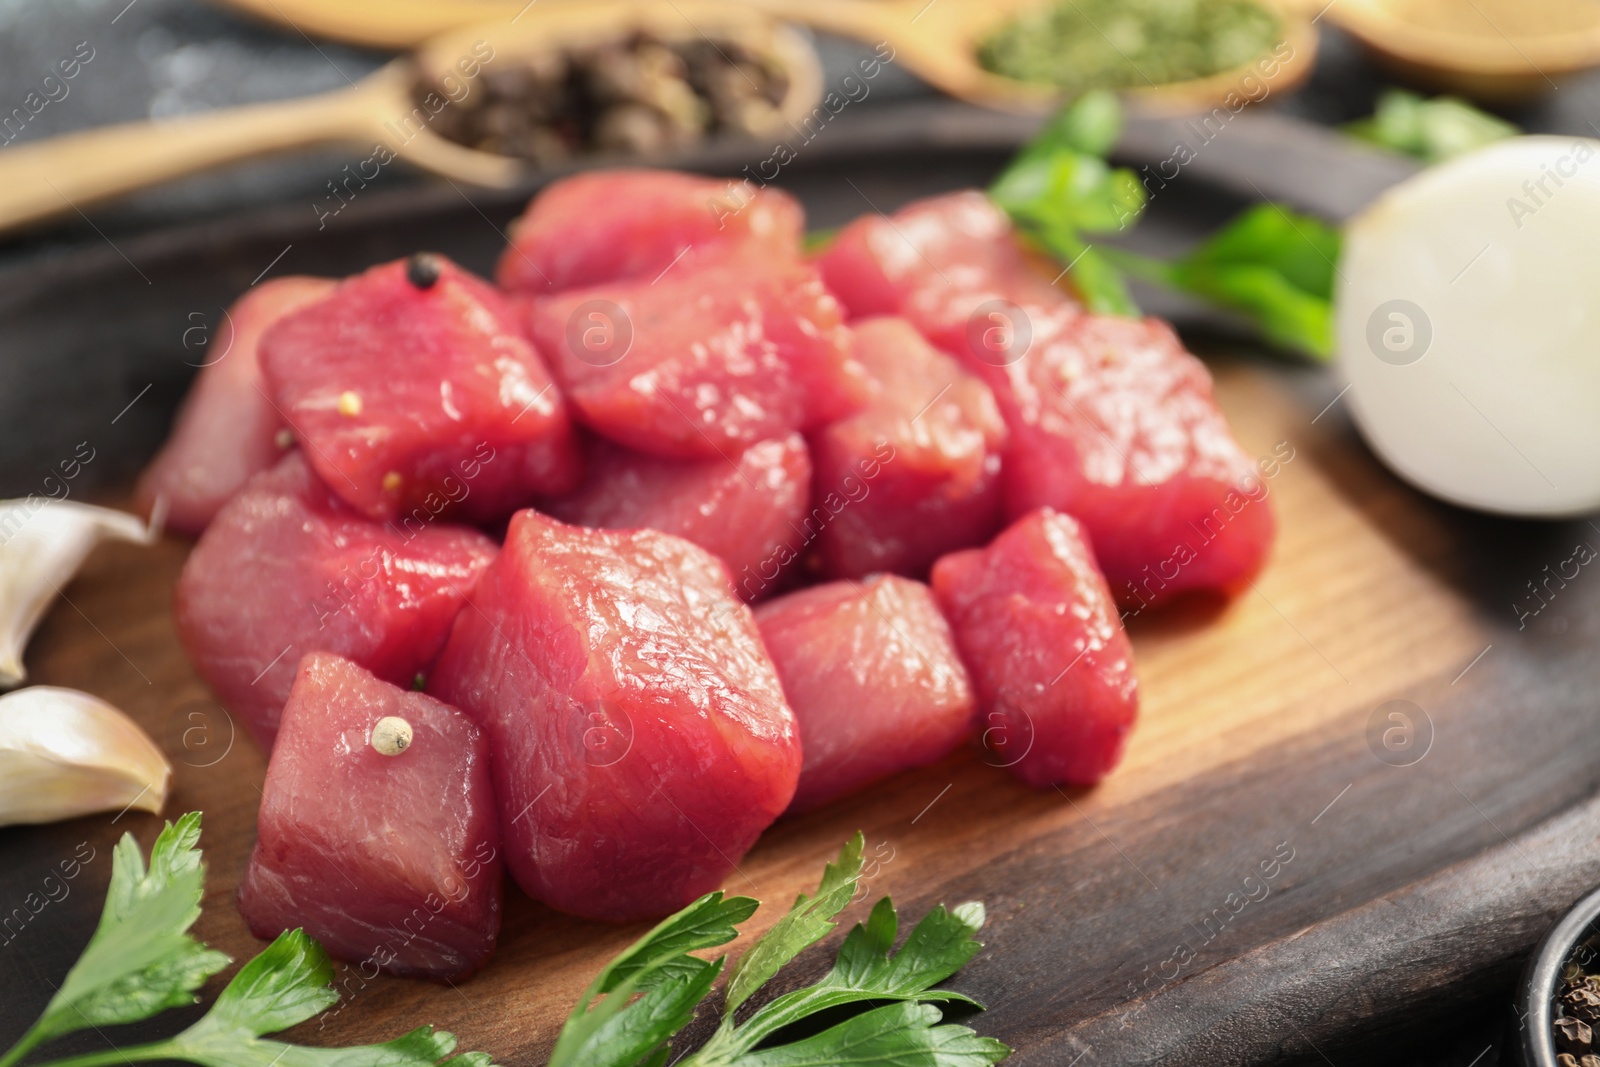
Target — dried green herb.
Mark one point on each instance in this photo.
(1080, 45)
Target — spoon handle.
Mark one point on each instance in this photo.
(71, 172)
(864, 20)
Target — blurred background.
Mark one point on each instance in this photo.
(163, 59)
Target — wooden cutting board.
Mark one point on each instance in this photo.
(1355, 793)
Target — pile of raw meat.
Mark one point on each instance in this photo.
(476, 558)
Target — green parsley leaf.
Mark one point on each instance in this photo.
(939, 946)
(1430, 130)
(1302, 249)
(808, 921)
(1059, 187)
(1096, 278)
(141, 959)
(1089, 126)
(896, 1035)
(650, 991)
(1273, 266)
(288, 983)
(646, 995)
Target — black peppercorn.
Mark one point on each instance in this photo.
(423, 269)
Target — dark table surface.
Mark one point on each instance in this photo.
(155, 59)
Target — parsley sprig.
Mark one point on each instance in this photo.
(1271, 266)
(142, 960)
(1059, 187)
(629, 1014)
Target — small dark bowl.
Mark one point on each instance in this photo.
(1530, 1039)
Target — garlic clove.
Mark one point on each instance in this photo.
(43, 542)
(64, 753)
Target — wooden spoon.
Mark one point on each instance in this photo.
(63, 174)
(934, 39)
(1482, 55)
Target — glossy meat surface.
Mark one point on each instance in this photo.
(1114, 422)
(1049, 658)
(936, 261)
(617, 225)
(720, 352)
(286, 568)
(743, 511)
(416, 394)
(392, 861)
(227, 429)
(641, 738)
(1111, 420)
(872, 673)
(934, 436)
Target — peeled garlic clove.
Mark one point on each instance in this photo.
(43, 542)
(64, 753)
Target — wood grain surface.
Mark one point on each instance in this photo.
(1261, 880)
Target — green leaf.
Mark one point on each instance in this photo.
(1059, 188)
(707, 923)
(286, 984)
(646, 995)
(1429, 130)
(1097, 280)
(622, 1029)
(938, 947)
(1275, 267)
(1069, 191)
(1285, 315)
(1090, 125)
(808, 921)
(896, 1035)
(217, 1047)
(650, 991)
(1302, 249)
(141, 959)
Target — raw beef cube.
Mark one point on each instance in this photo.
(227, 429)
(377, 832)
(1110, 419)
(1049, 658)
(936, 436)
(414, 390)
(937, 262)
(616, 225)
(745, 512)
(1113, 422)
(721, 352)
(286, 568)
(641, 740)
(872, 673)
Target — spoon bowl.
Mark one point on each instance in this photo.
(935, 39)
(1500, 66)
(383, 115)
